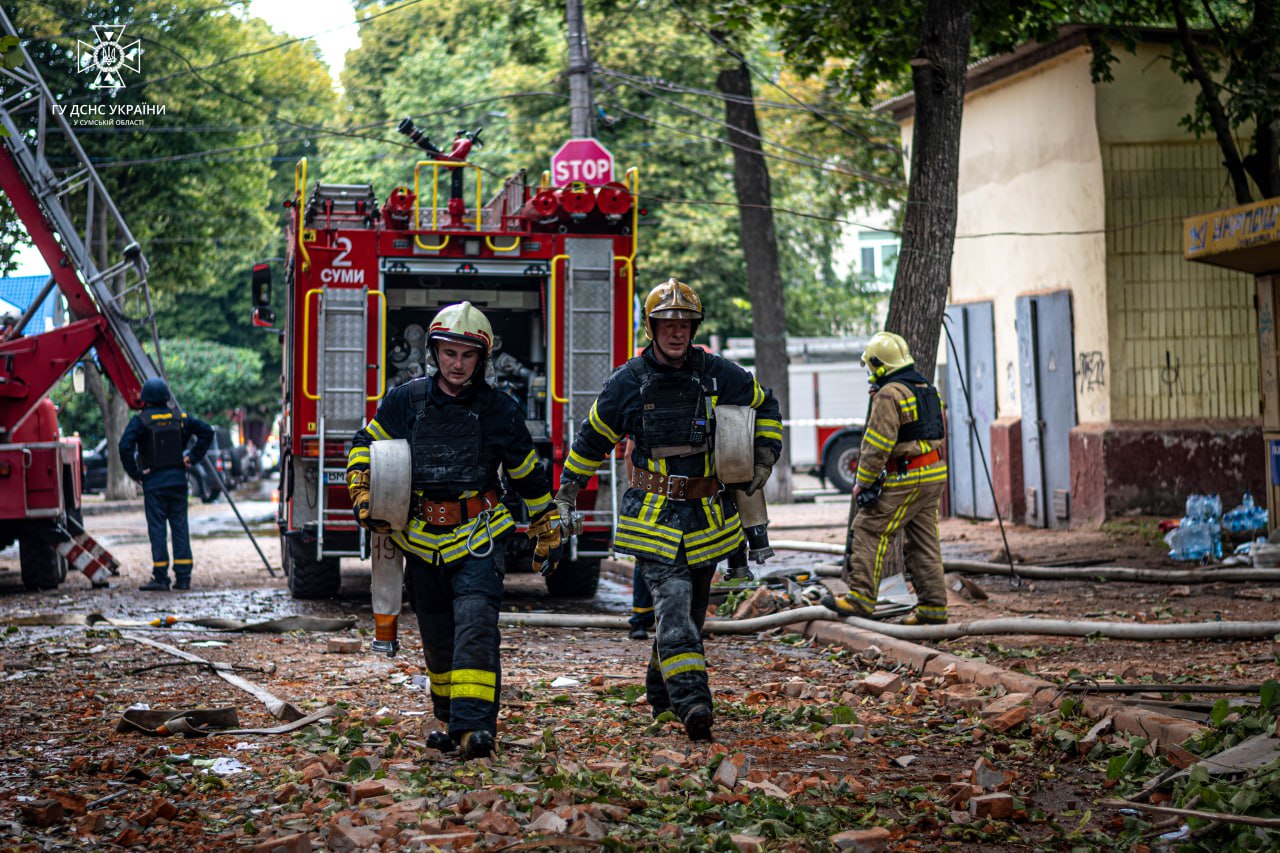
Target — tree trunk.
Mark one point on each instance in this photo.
(929, 225)
(760, 247)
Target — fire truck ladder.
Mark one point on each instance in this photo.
(341, 371)
(72, 199)
(589, 318)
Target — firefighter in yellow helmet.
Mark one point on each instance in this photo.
(674, 519)
(460, 431)
(899, 483)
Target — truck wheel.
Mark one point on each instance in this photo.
(308, 577)
(42, 566)
(575, 579)
(842, 463)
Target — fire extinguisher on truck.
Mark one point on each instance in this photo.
(365, 270)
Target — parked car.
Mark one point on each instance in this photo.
(93, 469)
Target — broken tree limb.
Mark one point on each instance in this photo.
(279, 708)
(1247, 820)
(1162, 688)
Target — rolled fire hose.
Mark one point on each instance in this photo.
(735, 463)
(950, 631)
(1111, 573)
(390, 489)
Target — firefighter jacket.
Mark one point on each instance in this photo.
(904, 421)
(164, 469)
(650, 525)
(503, 441)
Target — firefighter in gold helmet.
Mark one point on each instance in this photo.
(898, 486)
(460, 431)
(674, 518)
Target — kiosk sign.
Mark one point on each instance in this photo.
(584, 160)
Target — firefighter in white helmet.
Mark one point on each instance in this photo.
(674, 519)
(460, 431)
(899, 483)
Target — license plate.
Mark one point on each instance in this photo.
(335, 478)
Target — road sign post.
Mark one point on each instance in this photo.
(584, 160)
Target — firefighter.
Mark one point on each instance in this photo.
(674, 519)
(154, 451)
(900, 480)
(460, 431)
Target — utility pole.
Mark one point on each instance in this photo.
(582, 122)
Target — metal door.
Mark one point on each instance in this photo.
(1046, 359)
(971, 366)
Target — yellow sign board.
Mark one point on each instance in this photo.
(1241, 238)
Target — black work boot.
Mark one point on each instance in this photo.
(638, 632)
(156, 585)
(182, 583)
(441, 741)
(697, 723)
(476, 744)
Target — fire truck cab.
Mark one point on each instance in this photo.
(551, 267)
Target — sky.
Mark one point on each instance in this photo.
(330, 22)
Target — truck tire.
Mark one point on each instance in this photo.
(575, 579)
(42, 566)
(842, 463)
(309, 578)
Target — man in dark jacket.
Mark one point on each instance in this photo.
(154, 451)
(674, 519)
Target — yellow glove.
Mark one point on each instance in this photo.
(547, 529)
(358, 488)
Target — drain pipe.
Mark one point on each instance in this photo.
(1106, 573)
(950, 631)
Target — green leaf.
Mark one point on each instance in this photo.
(1270, 693)
(1221, 710)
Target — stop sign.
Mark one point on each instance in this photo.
(583, 160)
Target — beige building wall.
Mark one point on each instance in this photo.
(1183, 340)
(1031, 212)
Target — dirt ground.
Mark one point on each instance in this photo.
(805, 750)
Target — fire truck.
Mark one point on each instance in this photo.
(74, 224)
(552, 267)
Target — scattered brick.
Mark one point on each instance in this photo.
(994, 806)
(41, 812)
(880, 682)
(299, 843)
(873, 840)
(1010, 719)
(343, 645)
(1007, 702)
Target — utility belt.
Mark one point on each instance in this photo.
(910, 463)
(676, 487)
(452, 513)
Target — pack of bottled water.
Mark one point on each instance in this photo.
(1199, 535)
(1248, 519)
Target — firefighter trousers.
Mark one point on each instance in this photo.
(457, 608)
(641, 602)
(914, 511)
(676, 678)
(166, 513)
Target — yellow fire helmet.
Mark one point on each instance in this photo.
(671, 300)
(886, 353)
(462, 323)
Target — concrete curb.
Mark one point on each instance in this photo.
(1160, 729)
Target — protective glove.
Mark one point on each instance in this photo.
(567, 503)
(358, 488)
(764, 461)
(548, 530)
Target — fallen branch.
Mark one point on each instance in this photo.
(1247, 820)
(1162, 688)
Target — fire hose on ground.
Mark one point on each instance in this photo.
(950, 631)
(1107, 573)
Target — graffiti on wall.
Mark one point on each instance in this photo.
(1092, 371)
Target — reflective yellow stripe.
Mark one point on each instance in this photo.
(182, 562)
(877, 440)
(538, 504)
(581, 465)
(882, 547)
(359, 455)
(932, 611)
(375, 429)
(641, 609)
(688, 662)
(522, 470)
(439, 682)
(935, 473)
(865, 477)
(164, 563)
(769, 428)
(757, 395)
(640, 546)
(668, 534)
(598, 424)
(869, 603)
(451, 545)
(473, 684)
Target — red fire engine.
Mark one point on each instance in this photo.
(551, 267)
(63, 210)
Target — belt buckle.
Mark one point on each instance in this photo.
(677, 483)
